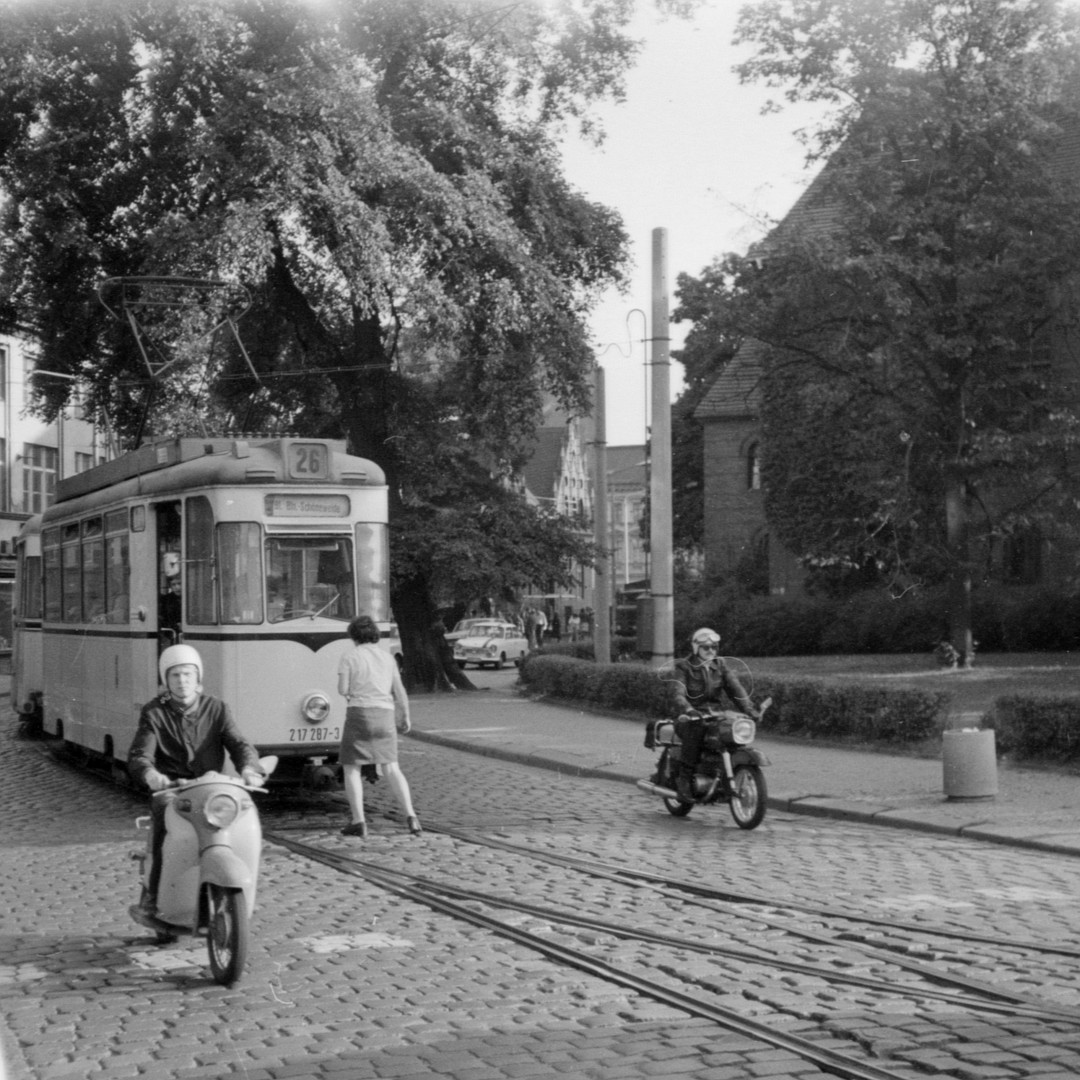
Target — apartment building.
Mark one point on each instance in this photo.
(33, 456)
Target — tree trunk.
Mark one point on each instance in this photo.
(959, 547)
(429, 659)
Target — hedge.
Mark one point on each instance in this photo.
(1037, 727)
(811, 708)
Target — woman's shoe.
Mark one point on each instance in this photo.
(357, 828)
(414, 824)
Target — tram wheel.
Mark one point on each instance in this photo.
(227, 933)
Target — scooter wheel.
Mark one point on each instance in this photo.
(227, 933)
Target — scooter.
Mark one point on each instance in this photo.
(729, 770)
(209, 867)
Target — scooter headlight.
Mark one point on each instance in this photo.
(316, 707)
(742, 730)
(221, 810)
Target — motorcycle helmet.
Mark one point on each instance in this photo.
(704, 636)
(174, 656)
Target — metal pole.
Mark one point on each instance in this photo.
(661, 582)
(602, 592)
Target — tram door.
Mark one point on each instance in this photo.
(169, 571)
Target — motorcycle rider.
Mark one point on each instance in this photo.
(182, 734)
(700, 680)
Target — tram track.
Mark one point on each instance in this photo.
(825, 1058)
(473, 907)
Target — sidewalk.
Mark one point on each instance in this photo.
(1032, 808)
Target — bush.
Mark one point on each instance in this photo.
(876, 622)
(807, 707)
(1036, 726)
(633, 688)
(782, 626)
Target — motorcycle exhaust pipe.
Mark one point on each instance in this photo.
(656, 789)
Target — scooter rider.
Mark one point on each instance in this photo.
(182, 734)
(701, 679)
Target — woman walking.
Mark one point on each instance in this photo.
(377, 709)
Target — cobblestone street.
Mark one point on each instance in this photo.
(347, 979)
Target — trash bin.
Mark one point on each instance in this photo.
(969, 760)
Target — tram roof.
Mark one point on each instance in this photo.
(256, 460)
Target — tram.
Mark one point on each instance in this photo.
(257, 551)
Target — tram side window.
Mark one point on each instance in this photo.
(373, 570)
(117, 567)
(71, 574)
(93, 570)
(30, 591)
(199, 563)
(30, 596)
(239, 549)
(50, 550)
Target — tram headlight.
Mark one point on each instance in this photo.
(221, 810)
(315, 707)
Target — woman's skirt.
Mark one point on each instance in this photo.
(369, 738)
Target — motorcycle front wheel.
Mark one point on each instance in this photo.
(227, 933)
(749, 796)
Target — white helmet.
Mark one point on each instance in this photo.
(174, 656)
(704, 636)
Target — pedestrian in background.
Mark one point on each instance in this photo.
(377, 709)
(573, 625)
(531, 627)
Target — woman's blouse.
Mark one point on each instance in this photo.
(366, 677)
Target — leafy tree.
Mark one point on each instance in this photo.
(914, 403)
(383, 177)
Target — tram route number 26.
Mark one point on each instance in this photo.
(315, 734)
(309, 461)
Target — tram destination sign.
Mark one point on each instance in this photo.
(294, 505)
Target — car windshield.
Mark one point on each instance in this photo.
(486, 630)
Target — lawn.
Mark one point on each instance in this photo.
(974, 691)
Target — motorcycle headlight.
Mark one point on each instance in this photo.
(316, 707)
(742, 730)
(221, 810)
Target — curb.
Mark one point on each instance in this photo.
(803, 804)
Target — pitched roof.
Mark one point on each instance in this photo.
(736, 391)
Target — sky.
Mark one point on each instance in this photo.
(688, 151)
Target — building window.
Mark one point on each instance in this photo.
(753, 467)
(83, 461)
(40, 465)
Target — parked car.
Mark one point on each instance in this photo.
(491, 643)
(462, 628)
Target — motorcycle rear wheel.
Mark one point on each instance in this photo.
(227, 933)
(749, 796)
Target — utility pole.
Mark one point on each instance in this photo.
(602, 591)
(661, 582)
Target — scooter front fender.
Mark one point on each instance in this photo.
(220, 865)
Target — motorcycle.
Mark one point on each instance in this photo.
(729, 770)
(209, 867)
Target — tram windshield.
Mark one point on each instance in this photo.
(308, 576)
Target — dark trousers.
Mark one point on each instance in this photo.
(691, 734)
(158, 806)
